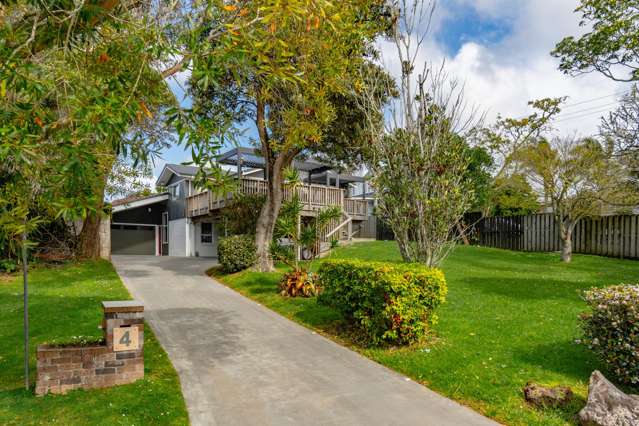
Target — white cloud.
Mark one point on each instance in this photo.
(502, 78)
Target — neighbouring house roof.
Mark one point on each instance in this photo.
(137, 201)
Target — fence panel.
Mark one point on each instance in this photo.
(613, 236)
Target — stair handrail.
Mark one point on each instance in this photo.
(341, 225)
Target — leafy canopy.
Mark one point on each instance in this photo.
(610, 46)
(77, 87)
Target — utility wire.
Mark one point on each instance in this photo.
(587, 101)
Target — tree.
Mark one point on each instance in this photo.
(513, 196)
(479, 175)
(418, 154)
(579, 178)
(610, 45)
(509, 135)
(127, 179)
(283, 74)
(622, 126)
(78, 87)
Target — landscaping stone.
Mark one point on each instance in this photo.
(545, 397)
(607, 405)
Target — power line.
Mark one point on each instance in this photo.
(597, 107)
(587, 101)
(583, 115)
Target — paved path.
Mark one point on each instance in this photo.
(242, 364)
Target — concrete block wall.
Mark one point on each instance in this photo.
(61, 369)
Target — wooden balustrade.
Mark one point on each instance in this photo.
(313, 197)
(356, 207)
(198, 204)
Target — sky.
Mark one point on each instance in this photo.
(500, 51)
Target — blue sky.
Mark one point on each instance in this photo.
(462, 25)
(500, 50)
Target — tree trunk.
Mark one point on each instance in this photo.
(566, 247)
(462, 233)
(89, 238)
(266, 222)
(89, 246)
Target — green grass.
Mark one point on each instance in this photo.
(65, 302)
(510, 318)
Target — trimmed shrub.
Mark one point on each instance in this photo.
(236, 253)
(388, 303)
(8, 265)
(612, 329)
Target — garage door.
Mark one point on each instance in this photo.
(130, 239)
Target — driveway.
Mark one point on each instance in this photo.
(242, 364)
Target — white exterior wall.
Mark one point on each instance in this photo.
(178, 237)
(190, 238)
(203, 249)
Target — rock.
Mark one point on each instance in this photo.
(607, 405)
(544, 397)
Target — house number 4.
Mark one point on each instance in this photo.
(125, 339)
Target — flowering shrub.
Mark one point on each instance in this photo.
(612, 329)
(388, 303)
(236, 253)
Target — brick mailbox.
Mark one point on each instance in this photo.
(119, 360)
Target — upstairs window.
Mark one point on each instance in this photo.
(174, 191)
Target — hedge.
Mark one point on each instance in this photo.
(236, 253)
(388, 303)
(612, 329)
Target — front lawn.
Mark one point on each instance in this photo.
(510, 318)
(64, 302)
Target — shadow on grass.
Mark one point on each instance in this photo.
(565, 358)
(525, 289)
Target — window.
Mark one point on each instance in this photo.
(206, 236)
(174, 191)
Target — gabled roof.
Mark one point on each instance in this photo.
(180, 170)
(137, 201)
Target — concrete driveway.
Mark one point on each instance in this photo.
(242, 364)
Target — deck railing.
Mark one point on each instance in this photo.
(356, 207)
(312, 197)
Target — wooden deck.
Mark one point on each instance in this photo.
(313, 198)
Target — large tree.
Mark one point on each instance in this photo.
(78, 86)
(578, 178)
(610, 44)
(284, 74)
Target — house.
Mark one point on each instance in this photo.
(184, 221)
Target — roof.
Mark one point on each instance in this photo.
(180, 170)
(137, 201)
(251, 158)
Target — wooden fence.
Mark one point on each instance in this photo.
(614, 236)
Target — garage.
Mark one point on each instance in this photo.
(139, 225)
(133, 239)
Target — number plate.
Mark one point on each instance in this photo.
(125, 339)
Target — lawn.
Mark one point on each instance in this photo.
(510, 318)
(65, 302)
